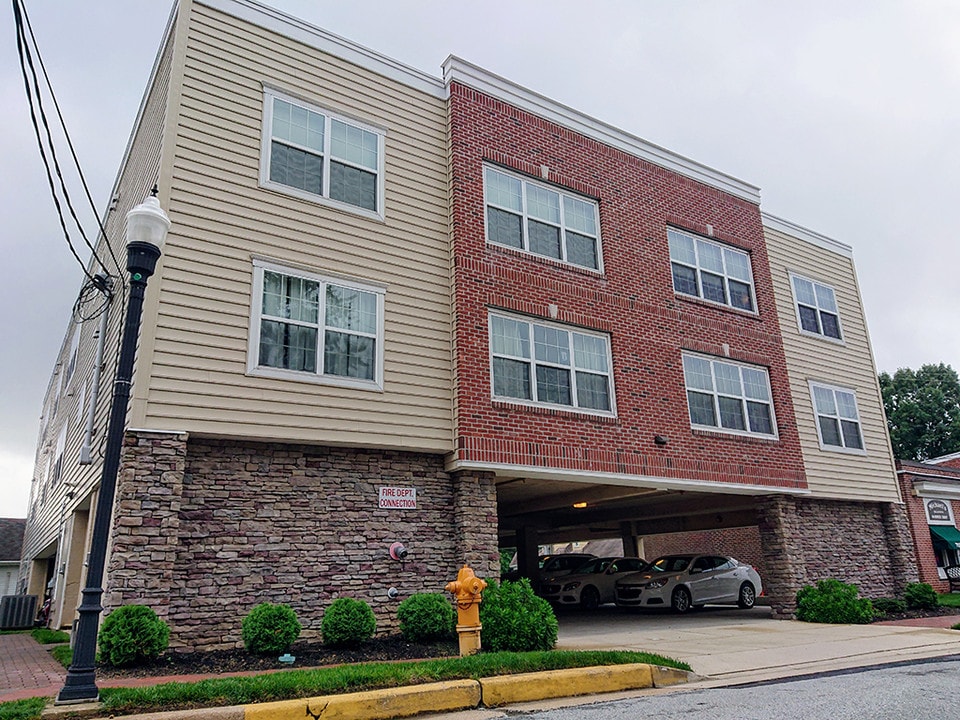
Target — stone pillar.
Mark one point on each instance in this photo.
(896, 530)
(780, 544)
(628, 537)
(475, 522)
(146, 521)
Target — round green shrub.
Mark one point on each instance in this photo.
(426, 616)
(348, 622)
(132, 634)
(270, 629)
(921, 596)
(514, 619)
(889, 606)
(832, 601)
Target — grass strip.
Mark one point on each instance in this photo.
(46, 636)
(290, 684)
(950, 600)
(63, 654)
(22, 709)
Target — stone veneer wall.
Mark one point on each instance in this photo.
(805, 540)
(206, 529)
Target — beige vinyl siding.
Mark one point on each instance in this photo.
(137, 176)
(832, 474)
(222, 219)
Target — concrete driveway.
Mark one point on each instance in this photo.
(729, 646)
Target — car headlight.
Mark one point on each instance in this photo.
(655, 584)
(571, 586)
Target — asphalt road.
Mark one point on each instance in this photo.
(916, 691)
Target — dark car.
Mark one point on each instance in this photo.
(552, 566)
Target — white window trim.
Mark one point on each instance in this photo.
(775, 435)
(796, 309)
(267, 134)
(699, 238)
(816, 419)
(575, 409)
(253, 347)
(524, 182)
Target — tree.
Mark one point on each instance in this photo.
(923, 411)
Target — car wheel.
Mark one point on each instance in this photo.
(589, 598)
(681, 600)
(748, 596)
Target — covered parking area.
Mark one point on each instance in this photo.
(799, 539)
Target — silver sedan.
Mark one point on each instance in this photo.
(689, 581)
(591, 584)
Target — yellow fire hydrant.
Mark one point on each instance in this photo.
(467, 587)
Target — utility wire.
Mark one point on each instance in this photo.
(26, 61)
(73, 152)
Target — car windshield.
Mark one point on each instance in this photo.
(597, 565)
(669, 563)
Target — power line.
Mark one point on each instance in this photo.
(36, 105)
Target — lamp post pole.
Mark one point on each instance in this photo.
(147, 227)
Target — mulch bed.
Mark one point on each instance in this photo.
(307, 655)
(911, 614)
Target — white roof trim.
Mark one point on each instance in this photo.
(802, 233)
(937, 490)
(942, 459)
(645, 481)
(296, 29)
(456, 69)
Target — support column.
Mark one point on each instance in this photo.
(475, 521)
(146, 521)
(629, 539)
(527, 552)
(780, 544)
(903, 561)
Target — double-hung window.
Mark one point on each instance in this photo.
(706, 269)
(728, 396)
(307, 326)
(838, 420)
(816, 308)
(541, 220)
(318, 155)
(550, 364)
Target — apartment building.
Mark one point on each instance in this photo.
(530, 325)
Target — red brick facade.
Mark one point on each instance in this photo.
(633, 301)
(908, 474)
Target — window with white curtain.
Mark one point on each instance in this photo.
(307, 326)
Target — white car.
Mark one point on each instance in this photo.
(591, 584)
(689, 581)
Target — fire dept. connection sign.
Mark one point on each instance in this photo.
(398, 498)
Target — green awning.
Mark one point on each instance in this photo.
(945, 537)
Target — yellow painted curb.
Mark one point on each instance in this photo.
(375, 704)
(508, 689)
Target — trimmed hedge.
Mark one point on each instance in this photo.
(270, 629)
(348, 622)
(132, 634)
(515, 619)
(833, 601)
(426, 616)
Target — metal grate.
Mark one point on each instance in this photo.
(17, 611)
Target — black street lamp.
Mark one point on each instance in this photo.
(147, 226)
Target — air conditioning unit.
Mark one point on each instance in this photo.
(17, 611)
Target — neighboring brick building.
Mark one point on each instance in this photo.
(541, 328)
(931, 491)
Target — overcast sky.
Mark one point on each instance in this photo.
(846, 114)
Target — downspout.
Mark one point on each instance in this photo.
(85, 448)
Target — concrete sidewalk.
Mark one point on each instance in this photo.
(729, 647)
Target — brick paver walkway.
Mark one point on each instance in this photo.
(27, 669)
